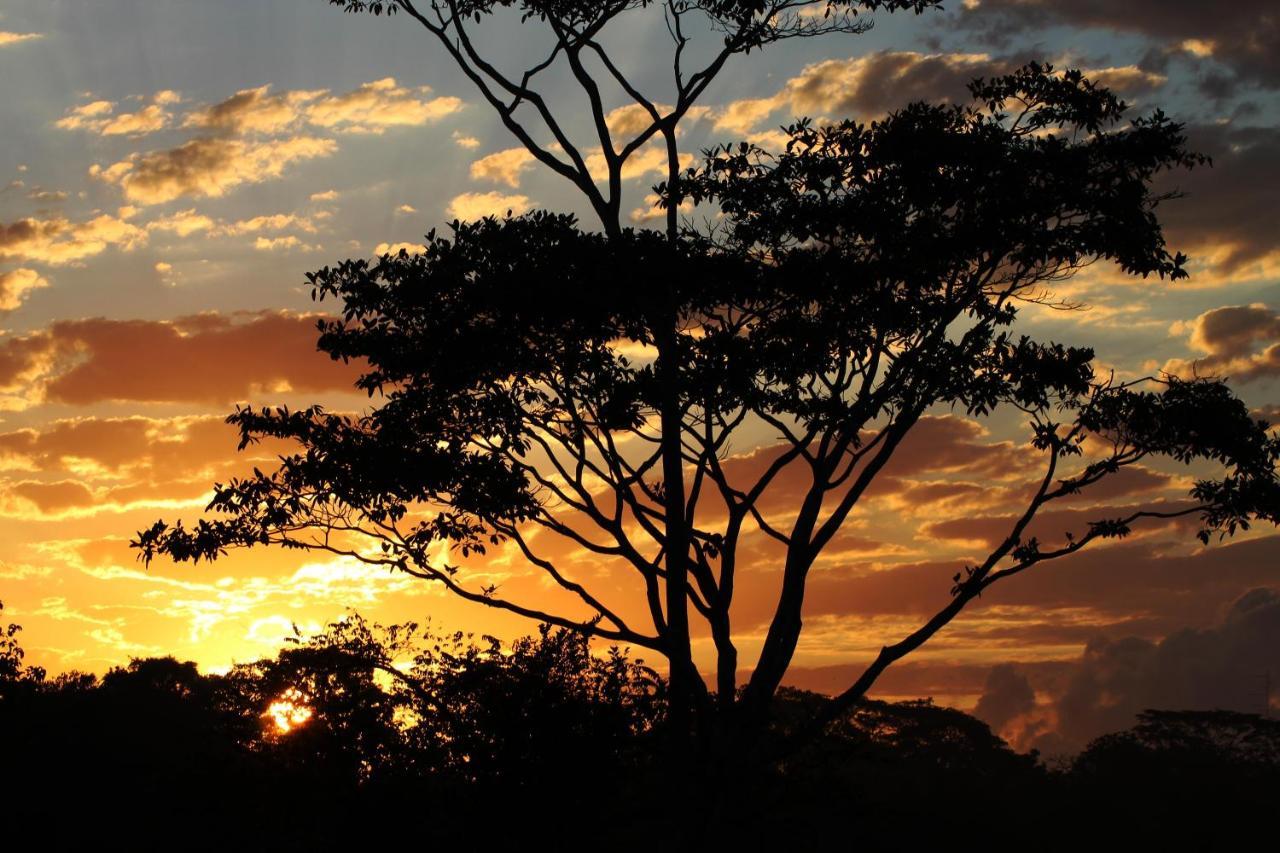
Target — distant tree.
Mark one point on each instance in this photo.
(12, 669)
(1182, 780)
(473, 712)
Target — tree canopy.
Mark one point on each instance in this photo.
(540, 383)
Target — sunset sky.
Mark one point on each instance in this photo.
(171, 170)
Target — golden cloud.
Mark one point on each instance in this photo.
(16, 284)
(183, 223)
(396, 248)
(208, 167)
(272, 222)
(280, 244)
(113, 464)
(1230, 337)
(253, 111)
(60, 241)
(7, 38)
(470, 206)
(100, 117)
(376, 106)
(503, 166)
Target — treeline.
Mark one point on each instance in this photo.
(365, 735)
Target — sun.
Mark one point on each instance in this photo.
(289, 711)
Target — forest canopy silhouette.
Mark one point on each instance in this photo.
(540, 741)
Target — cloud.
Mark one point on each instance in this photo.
(1243, 36)
(47, 196)
(375, 106)
(649, 160)
(470, 206)
(58, 240)
(8, 38)
(1221, 666)
(879, 82)
(327, 195)
(100, 117)
(251, 137)
(1126, 79)
(631, 120)
(884, 80)
(184, 223)
(254, 111)
(1230, 335)
(462, 140)
(278, 244)
(272, 222)
(16, 284)
(208, 167)
(1006, 696)
(1227, 220)
(109, 464)
(504, 166)
(395, 249)
(206, 358)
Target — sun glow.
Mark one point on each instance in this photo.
(289, 711)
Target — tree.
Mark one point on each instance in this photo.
(541, 383)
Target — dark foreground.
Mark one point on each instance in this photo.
(543, 745)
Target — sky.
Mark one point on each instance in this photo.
(172, 169)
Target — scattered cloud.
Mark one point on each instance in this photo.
(184, 223)
(16, 284)
(1243, 37)
(282, 244)
(1231, 337)
(376, 106)
(8, 38)
(470, 206)
(1226, 222)
(208, 167)
(99, 117)
(251, 137)
(58, 240)
(254, 111)
(206, 358)
(396, 248)
(272, 222)
(876, 83)
(503, 167)
(462, 140)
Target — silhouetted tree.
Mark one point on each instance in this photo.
(536, 381)
(12, 669)
(1182, 780)
(705, 36)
